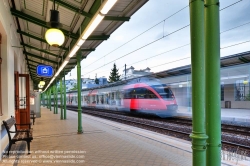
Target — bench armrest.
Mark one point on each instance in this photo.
(12, 131)
(19, 131)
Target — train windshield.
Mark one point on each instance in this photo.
(164, 91)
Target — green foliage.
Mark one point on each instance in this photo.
(74, 88)
(114, 75)
(53, 89)
(248, 97)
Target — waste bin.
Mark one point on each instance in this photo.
(227, 104)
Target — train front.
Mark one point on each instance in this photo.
(150, 97)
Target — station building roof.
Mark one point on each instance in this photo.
(231, 60)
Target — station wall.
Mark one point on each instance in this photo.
(229, 96)
(12, 60)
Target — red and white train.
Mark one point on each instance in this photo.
(150, 96)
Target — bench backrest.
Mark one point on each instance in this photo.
(8, 124)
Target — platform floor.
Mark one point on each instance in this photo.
(103, 143)
(227, 114)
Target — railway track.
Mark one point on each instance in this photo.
(226, 128)
(234, 138)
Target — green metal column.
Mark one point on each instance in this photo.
(54, 90)
(61, 100)
(43, 94)
(56, 98)
(50, 98)
(79, 88)
(198, 81)
(47, 98)
(64, 83)
(213, 94)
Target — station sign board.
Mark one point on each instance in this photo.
(44, 70)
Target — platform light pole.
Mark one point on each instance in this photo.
(64, 99)
(198, 81)
(213, 93)
(79, 88)
(61, 100)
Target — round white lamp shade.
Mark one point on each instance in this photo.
(245, 82)
(54, 37)
(42, 83)
(40, 86)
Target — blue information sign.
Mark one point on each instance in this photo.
(44, 71)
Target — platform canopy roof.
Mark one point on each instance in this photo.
(32, 18)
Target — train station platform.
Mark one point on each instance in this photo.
(227, 114)
(103, 143)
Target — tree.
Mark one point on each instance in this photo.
(114, 75)
(74, 87)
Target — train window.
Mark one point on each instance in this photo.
(140, 93)
(163, 91)
(150, 95)
(128, 93)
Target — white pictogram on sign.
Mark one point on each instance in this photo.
(44, 70)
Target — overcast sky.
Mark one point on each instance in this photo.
(157, 56)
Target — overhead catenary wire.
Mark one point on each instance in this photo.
(161, 38)
(160, 54)
(171, 62)
(139, 48)
(138, 35)
(235, 44)
(189, 44)
(231, 5)
(153, 27)
(169, 51)
(234, 27)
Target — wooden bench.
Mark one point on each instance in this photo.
(32, 116)
(20, 134)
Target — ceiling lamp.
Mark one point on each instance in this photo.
(40, 86)
(245, 82)
(40, 90)
(42, 82)
(54, 36)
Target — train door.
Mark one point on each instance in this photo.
(112, 101)
(141, 98)
(97, 99)
(134, 105)
(102, 99)
(118, 98)
(82, 101)
(75, 99)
